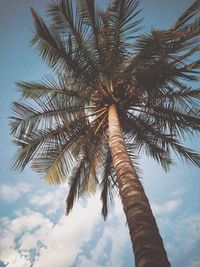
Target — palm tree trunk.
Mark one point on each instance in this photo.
(147, 243)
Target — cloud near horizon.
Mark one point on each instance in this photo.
(41, 235)
(62, 242)
(59, 243)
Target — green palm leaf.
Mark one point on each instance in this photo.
(64, 19)
(58, 53)
(106, 185)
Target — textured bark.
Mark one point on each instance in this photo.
(147, 243)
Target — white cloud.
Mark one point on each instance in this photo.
(56, 244)
(112, 244)
(15, 259)
(84, 262)
(11, 193)
(29, 221)
(23, 230)
(167, 207)
(42, 200)
(63, 242)
(120, 241)
(53, 200)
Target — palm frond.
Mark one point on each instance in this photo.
(140, 132)
(186, 154)
(50, 87)
(175, 119)
(90, 181)
(156, 143)
(70, 22)
(27, 148)
(74, 183)
(91, 16)
(169, 48)
(50, 45)
(106, 186)
(56, 160)
(43, 113)
(83, 178)
(180, 95)
(40, 142)
(52, 48)
(191, 12)
(122, 24)
(36, 90)
(89, 12)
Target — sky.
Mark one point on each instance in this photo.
(34, 229)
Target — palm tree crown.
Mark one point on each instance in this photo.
(99, 61)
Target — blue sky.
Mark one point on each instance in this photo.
(34, 230)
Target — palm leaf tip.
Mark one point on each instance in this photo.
(106, 196)
(104, 212)
(34, 14)
(69, 206)
(104, 200)
(189, 155)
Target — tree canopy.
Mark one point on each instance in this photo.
(100, 58)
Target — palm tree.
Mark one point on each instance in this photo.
(114, 95)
